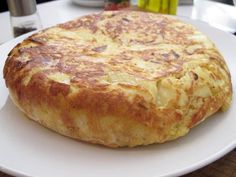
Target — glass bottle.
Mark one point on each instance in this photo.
(24, 17)
(159, 6)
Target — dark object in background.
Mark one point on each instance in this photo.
(230, 2)
(3, 5)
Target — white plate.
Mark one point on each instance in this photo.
(89, 3)
(27, 149)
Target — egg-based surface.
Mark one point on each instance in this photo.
(119, 78)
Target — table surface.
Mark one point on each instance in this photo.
(216, 14)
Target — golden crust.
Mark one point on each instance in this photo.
(119, 78)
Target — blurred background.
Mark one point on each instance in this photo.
(217, 13)
(3, 3)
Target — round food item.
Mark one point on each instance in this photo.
(121, 78)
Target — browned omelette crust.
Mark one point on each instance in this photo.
(119, 78)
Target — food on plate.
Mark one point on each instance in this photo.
(120, 78)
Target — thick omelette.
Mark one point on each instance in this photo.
(119, 78)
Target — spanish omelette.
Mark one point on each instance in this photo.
(123, 78)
